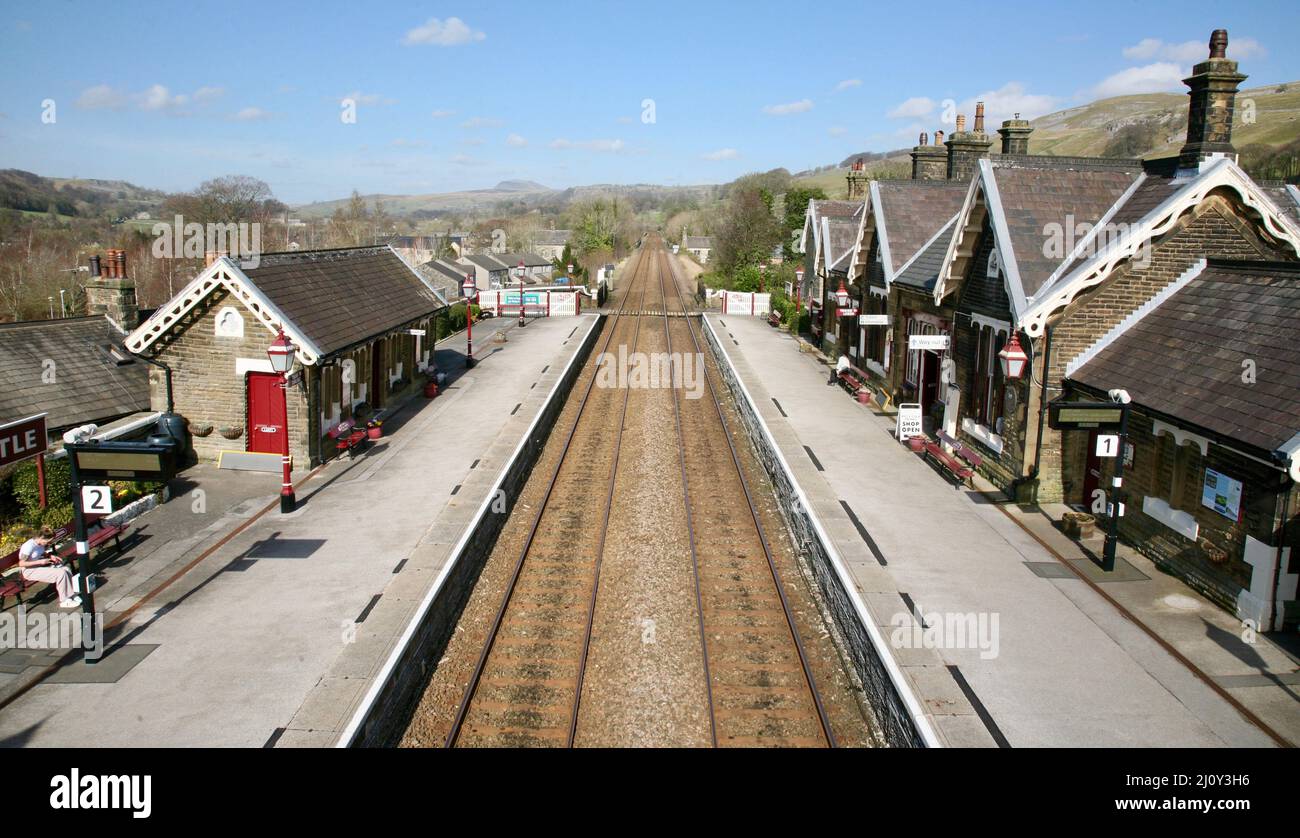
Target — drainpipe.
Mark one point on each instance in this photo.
(1042, 413)
(167, 371)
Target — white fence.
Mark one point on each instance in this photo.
(745, 302)
(540, 302)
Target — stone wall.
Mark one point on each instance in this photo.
(388, 716)
(897, 724)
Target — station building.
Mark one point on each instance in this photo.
(351, 314)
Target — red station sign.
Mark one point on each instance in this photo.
(22, 440)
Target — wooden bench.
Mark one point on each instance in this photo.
(774, 319)
(934, 452)
(347, 437)
(853, 380)
(962, 450)
(15, 585)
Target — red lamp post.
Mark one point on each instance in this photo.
(519, 272)
(470, 290)
(281, 353)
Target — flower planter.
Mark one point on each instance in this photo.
(233, 433)
(431, 390)
(864, 397)
(916, 443)
(1079, 525)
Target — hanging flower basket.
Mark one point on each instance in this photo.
(1213, 552)
(201, 430)
(233, 433)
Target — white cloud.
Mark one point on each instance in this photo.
(847, 83)
(722, 154)
(451, 32)
(481, 122)
(914, 108)
(207, 94)
(516, 141)
(440, 114)
(369, 98)
(473, 141)
(251, 115)
(101, 96)
(837, 131)
(1149, 78)
(1190, 52)
(610, 146)
(159, 98)
(788, 108)
(1007, 101)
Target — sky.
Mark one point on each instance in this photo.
(460, 95)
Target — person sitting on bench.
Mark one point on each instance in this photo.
(38, 563)
(840, 366)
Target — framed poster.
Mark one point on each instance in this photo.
(1222, 494)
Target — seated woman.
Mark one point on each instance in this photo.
(38, 563)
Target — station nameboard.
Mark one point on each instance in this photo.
(22, 439)
(123, 461)
(1073, 416)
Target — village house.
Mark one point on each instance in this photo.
(74, 369)
(490, 273)
(446, 276)
(537, 270)
(1062, 255)
(351, 314)
(698, 246)
(550, 244)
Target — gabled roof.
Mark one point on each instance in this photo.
(922, 270)
(486, 261)
(326, 300)
(1027, 199)
(90, 384)
(907, 216)
(697, 242)
(442, 268)
(1182, 356)
(839, 234)
(530, 260)
(819, 209)
(551, 238)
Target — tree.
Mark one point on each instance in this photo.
(796, 206)
(748, 232)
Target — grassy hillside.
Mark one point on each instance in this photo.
(73, 196)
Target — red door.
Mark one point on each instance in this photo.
(266, 417)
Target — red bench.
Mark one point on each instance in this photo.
(347, 437)
(774, 319)
(15, 585)
(854, 381)
(934, 452)
(962, 450)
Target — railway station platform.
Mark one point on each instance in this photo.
(1064, 665)
(261, 629)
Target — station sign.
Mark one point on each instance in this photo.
(937, 343)
(138, 461)
(1075, 416)
(873, 319)
(22, 439)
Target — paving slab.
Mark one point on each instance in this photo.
(1068, 669)
(273, 636)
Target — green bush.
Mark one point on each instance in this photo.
(27, 491)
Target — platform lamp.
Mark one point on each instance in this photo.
(470, 292)
(281, 353)
(519, 272)
(798, 288)
(842, 295)
(1013, 359)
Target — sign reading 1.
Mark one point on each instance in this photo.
(1107, 445)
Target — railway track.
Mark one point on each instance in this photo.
(527, 686)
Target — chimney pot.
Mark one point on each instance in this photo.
(938, 138)
(961, 123)
(1219, 43)
(1212, 89)
(94, 265)
(979, 117)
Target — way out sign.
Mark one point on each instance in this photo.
(96, 500)
(22, 439)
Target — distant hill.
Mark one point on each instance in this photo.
(1155, 125)
(22, 190)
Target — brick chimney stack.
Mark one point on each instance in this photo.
(929, 162)
(1213, 91)
(1015, 135)
(965, 148)
(110, 292)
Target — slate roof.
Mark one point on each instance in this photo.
(923, 272)
(698, 242)
(485, 261)
(530, 260)
(552, 238)
(1287, 198)
(1184, 358)
(1041, 191)
(912, 211)
(338, 298)
(89, 385)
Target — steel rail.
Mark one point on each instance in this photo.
(767, 550)
(471, 688)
